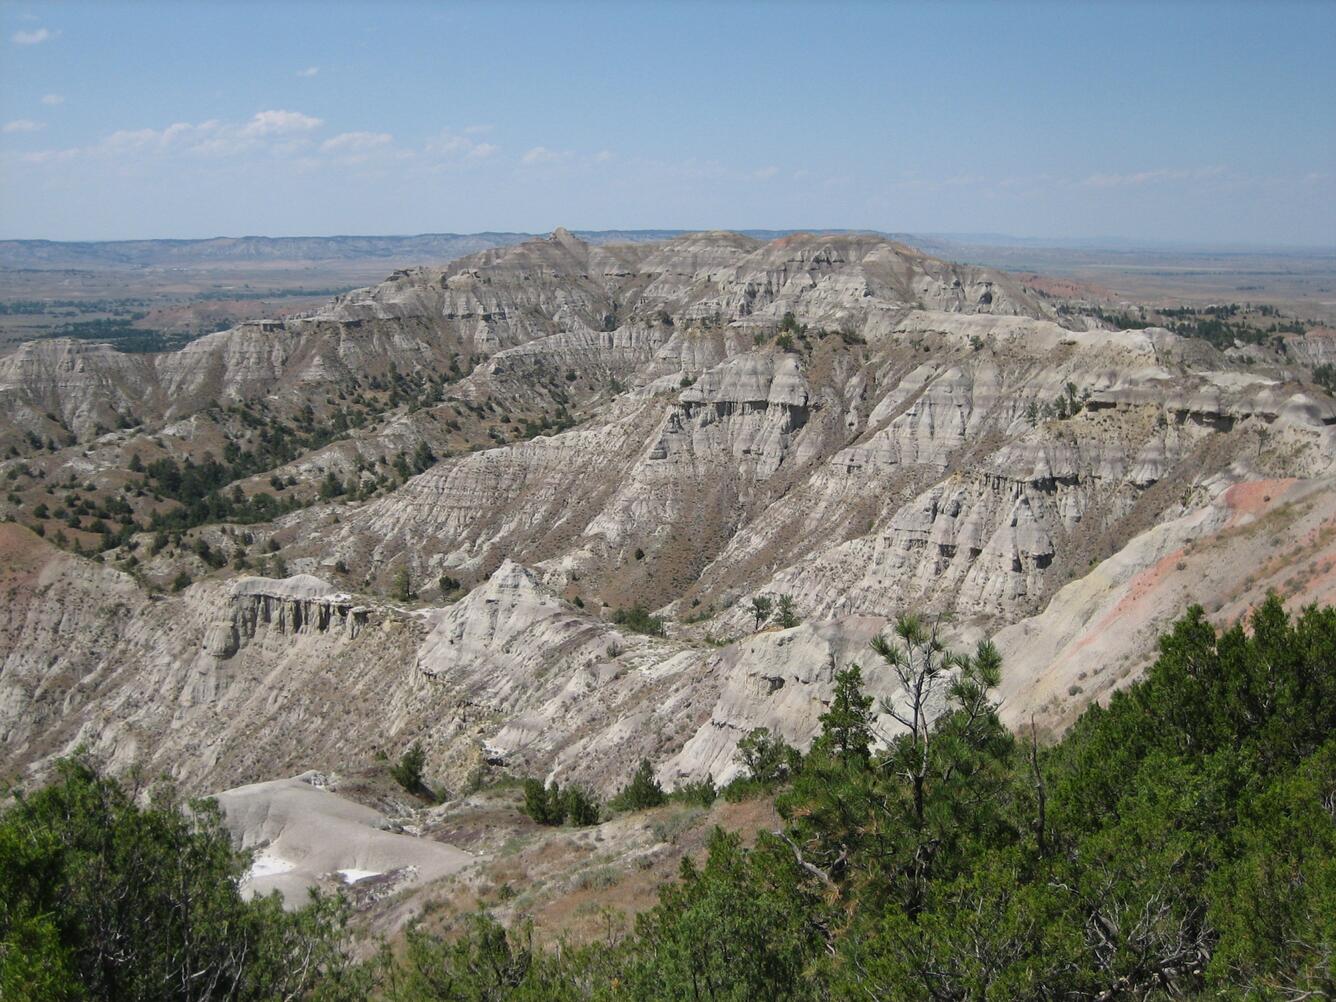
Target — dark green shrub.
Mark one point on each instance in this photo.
(741, 789)
(767, 757)
(403, 586)
(543, 804)
(551, 805)
(638, 620)
(331, 486)
(641, 792)
(407, 772)
(701, 793)
(582, 808)
(761, 607)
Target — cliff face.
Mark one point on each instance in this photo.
(226, 685)
(918, 436)
(224, 680)
(923, 469)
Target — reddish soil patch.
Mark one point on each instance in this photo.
(1255, 497)
(1137, 590)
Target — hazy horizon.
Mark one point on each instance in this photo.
(1104, 242)
(1193, 125)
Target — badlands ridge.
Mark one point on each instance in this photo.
(678, 426)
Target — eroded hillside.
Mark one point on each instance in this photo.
(429, 499)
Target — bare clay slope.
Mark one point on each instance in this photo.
(838, 418)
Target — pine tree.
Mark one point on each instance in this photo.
(846, 727)
(403, 585)
(643, 791)
(761, 607)
(408, 770)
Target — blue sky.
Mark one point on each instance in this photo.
(1193, 122)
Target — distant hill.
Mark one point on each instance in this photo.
(159, 253)
(423, 247)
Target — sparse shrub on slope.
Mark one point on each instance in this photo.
(766, 756)
(552, 805)
(641, 792)
(403, 589)
(783, 609)
(582, 808)
(407, 772)
(638, 619)
(701, 793)
(1325, 376)
(760, 608)
(540, 806)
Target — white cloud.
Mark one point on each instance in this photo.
(274, 123)
(356, 142)
(540, 155)
(282, 133)
(765, 173)
(52, 99)
(1151, 177)
(310, 71)
(182, 135)
(35, 37)
(602, 156)
(453, 146)
(49, 156)
(23, 125)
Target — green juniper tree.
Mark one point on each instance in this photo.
(767, 758)
(403, 589)
(761, 607)
(407, 772)
(641, 792)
